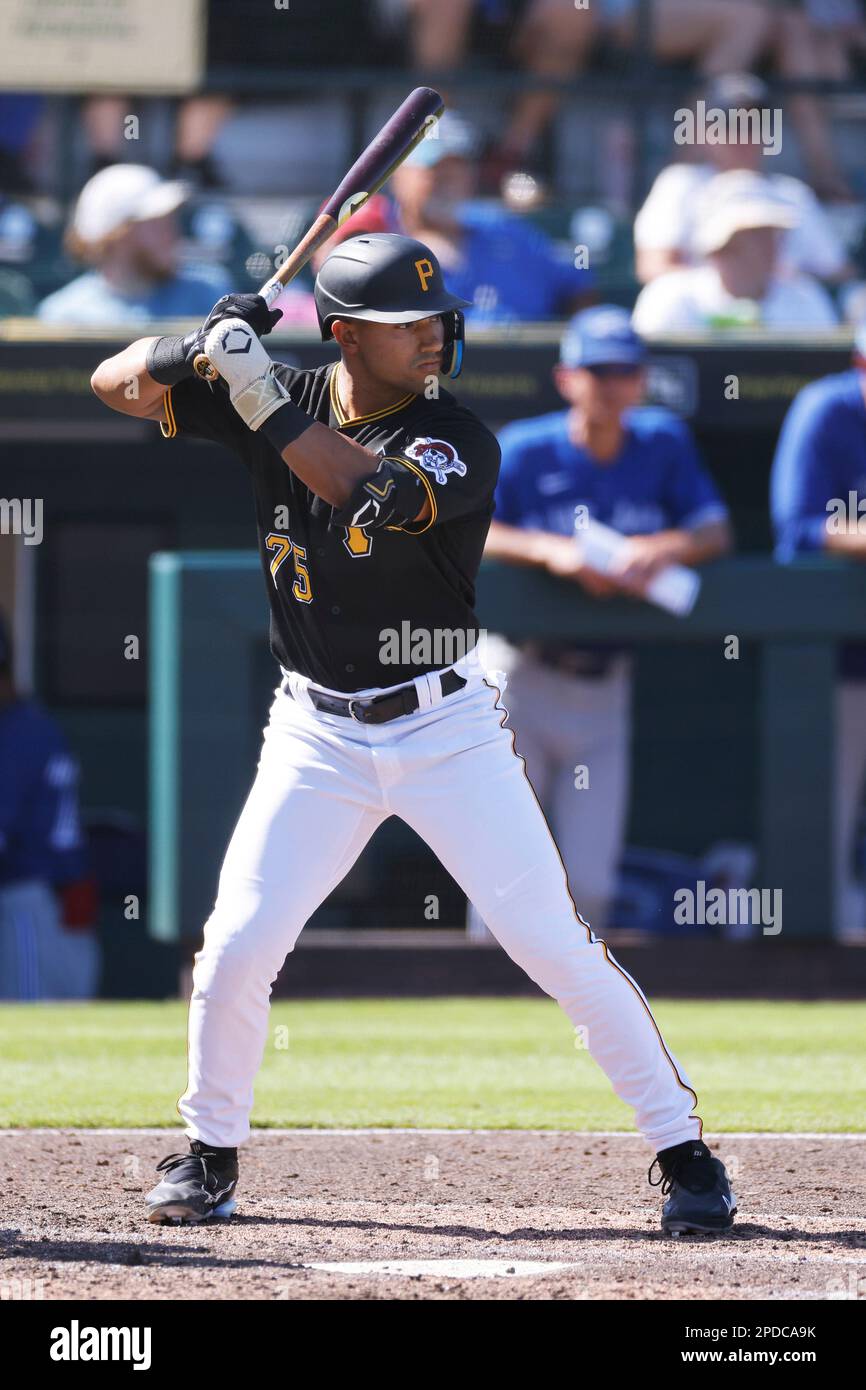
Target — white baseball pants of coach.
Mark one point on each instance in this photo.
(40, 958)
(449, 770)
(564, 723)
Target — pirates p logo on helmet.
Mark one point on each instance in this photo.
(387, 278)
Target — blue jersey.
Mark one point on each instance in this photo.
(40, 829)
(91, 301)
(656, 483)
(821, 454)
(510, 271)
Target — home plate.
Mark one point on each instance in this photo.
(455, 1269)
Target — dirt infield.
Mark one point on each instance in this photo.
(474, 1207)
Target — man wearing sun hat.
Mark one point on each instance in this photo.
(635, 469)
(664, 226)
(124, 227)
(740, 219)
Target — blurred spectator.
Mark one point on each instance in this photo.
(712, 35)
(548, 38)
(18, 234)
(738, 226)
(199, 120)
(124, 224)
(818, 470)
(48, 949)
(664, 229)
(19, 117)
(505, 267)
(555, 39)
(16, 295)
(816, 39)
(636, 469)
(31, 258)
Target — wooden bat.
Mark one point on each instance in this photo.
(397, 138)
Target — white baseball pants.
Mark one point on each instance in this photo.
(449, 770)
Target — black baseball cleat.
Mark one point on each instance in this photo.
(196, 1186)
(700, 1196)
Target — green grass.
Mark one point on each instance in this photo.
(462, 1063)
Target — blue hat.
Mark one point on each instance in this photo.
(450, 135)
(599, 336)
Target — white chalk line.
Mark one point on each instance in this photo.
(360, 1133)
(455, 1269)
(499, 1268)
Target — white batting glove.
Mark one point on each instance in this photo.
(248, 371)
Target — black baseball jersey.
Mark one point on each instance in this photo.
(355, 608)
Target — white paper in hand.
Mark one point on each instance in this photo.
(675, 588)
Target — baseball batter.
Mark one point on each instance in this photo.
(374, 493)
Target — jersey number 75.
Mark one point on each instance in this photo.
(282, 547)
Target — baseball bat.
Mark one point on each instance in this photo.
(397, 138)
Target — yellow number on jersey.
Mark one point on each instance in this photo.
(282, 547)
(301, 587)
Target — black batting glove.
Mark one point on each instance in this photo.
(170, 360)
(249, 307)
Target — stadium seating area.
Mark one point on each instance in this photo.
(261, 145)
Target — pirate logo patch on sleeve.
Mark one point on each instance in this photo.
(437, 456)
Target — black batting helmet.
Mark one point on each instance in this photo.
(387, 278)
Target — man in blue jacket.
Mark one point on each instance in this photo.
(635, 469)
(42, 853)
(506, 268)
(818, 503)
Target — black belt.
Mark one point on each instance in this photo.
(379, 709)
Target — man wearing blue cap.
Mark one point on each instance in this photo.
(635, 469)
(48, 949)
(508, 270)
(817, 492)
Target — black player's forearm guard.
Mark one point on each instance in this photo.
(392, 496)
(169, 360)
(285, 424)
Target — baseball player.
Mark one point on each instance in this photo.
(820, 463)
(635, 468)
(43, 853)
(374, 492)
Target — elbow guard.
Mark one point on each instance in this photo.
(392, 496)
